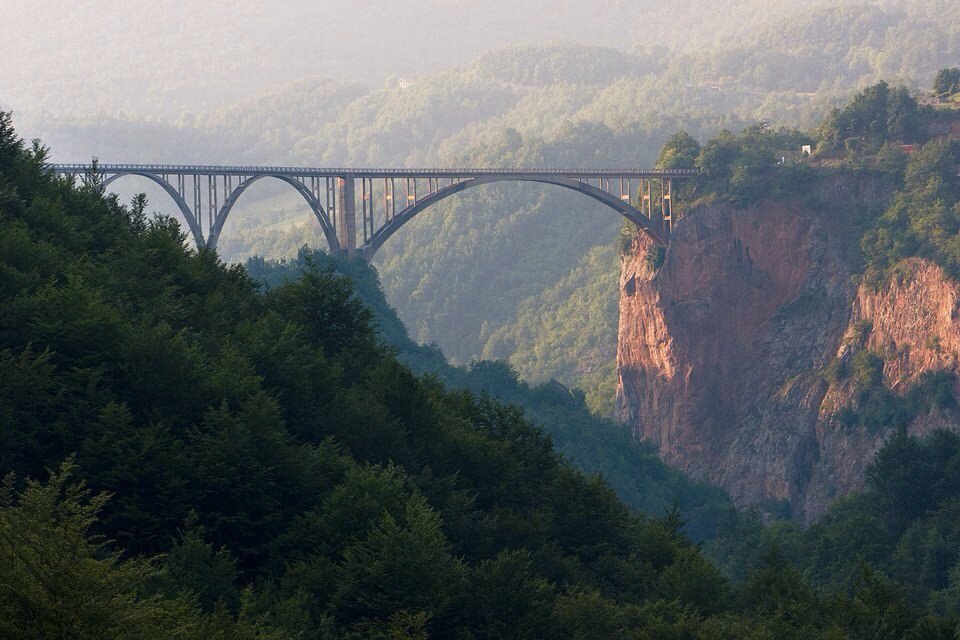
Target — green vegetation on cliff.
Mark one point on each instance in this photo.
(923, 218)
(903, 526)
(882, 131)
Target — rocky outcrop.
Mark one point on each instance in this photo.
(722, 349)
(913, 322)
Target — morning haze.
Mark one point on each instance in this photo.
(158, 59)
(517, 319)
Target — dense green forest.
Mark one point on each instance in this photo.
(904, 525)
(188, 454)
(468, 274)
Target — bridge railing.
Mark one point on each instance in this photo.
(445, 172)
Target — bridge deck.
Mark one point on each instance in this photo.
(345, 199)
(218, 170)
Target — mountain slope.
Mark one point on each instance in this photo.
(297, 478)
(258, 465)
(591, 443)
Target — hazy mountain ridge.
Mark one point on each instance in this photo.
(146, 52)
(542, 105)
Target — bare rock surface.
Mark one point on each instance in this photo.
(722, 349)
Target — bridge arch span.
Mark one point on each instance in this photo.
(348, 207)
(625, 209)
(188, 215)
(312, 202)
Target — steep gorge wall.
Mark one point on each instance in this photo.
(722, 350)
(913, 321)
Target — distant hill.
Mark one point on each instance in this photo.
(156, 59)
(466, 274)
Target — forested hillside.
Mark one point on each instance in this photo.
(300, 480)
(593, 444)
(189, 456)
(903, 525)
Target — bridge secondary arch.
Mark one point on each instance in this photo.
(312, 201)
(646, 223)
(188, 214)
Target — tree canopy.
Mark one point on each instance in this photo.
(190, 455)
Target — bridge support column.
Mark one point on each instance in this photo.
(346, 214)
(667, 205)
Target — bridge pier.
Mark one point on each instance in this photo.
(346, 224)
(667, 205)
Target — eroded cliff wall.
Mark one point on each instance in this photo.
(722, 349)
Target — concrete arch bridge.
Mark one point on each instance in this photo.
(360, 209)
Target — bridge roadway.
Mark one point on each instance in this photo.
(335, 197)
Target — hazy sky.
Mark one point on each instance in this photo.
(163, 57)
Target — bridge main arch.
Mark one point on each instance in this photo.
(318, 211)
(645, 223)
(185, 209)
(341, 216)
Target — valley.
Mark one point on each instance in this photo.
(503, 397)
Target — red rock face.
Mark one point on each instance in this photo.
(912, 321)
(722, 350)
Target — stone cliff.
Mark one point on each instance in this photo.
(723, 348)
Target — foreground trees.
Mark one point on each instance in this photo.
(242, 463)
